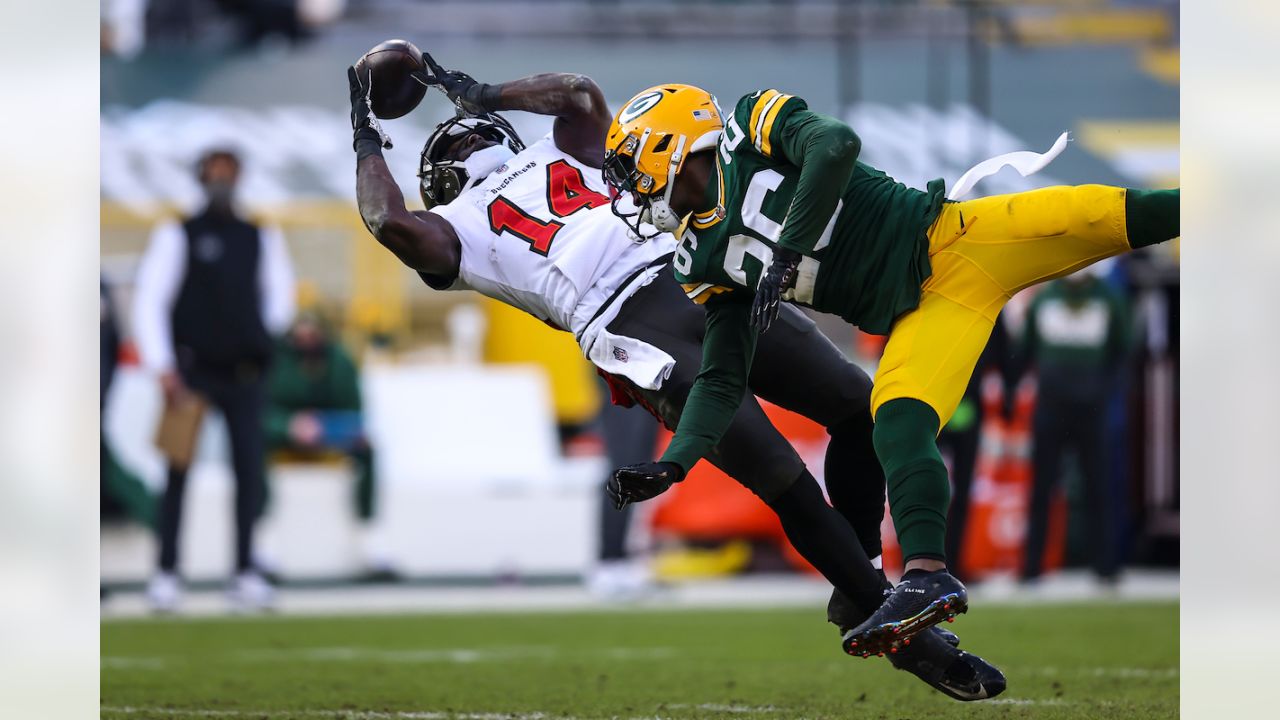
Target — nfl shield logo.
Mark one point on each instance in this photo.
(620, 355)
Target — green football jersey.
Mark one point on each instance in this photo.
(871, 258)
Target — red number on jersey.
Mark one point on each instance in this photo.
(503, 216)
(567, 192)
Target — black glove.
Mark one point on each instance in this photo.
(470, 96)
(637, 483)
(779, 278)
(363, 122)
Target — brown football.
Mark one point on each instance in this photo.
(394, 93)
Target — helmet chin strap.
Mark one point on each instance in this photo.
(660, 213)
(482, 162)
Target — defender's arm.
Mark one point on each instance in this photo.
(826, 151)
(727, 349)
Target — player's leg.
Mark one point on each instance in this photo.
(1021, 239)
(923, 373)
(800, 369)
(751, 451)
(755, 454)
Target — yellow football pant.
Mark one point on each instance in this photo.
(983, 251)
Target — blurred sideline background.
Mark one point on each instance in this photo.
(489, 459)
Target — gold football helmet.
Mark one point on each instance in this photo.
(648, 142)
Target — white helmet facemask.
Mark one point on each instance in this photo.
(659, 212)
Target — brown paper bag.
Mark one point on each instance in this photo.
(180, 428)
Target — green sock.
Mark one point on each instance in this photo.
(905, 438)
(1151, 216)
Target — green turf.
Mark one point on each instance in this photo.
(1073, 661)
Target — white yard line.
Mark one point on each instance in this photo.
(735, 709)
(1023, 701)
(259, 714)
(341, 714)
(456, 656)
(1107, 672)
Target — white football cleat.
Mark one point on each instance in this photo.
(164, 592)
(251, 592)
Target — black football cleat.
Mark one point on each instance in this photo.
(918, 603)
(952, 672)
(842, 613)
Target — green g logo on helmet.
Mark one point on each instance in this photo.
(640, 106)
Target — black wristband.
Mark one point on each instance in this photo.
(367, 142)
(486, 96)
(786, 255)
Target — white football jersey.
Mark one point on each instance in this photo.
(538, 234)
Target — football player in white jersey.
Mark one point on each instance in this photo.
(532, 227)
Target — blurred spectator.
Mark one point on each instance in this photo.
(630, 436)
(211, 291)
(260, 19)
(128, 24)
(315, 411)
(1076, 338)
(122, 494)
(124, 27)
(958, 439)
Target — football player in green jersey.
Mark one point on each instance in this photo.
(770, 203)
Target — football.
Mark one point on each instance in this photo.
(395, 93)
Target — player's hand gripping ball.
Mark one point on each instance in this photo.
(393, 72)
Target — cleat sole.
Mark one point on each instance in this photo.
(885, 638)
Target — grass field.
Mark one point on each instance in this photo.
(1070, 661)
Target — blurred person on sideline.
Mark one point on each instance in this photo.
(315, 410)
(122, 494)
(959, 438)
(211, 292)
(630, 436)
(1076, 339)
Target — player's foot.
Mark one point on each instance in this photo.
(842, 613)
(953, 672)
(164, 592)
(251, 592)
(921, 600)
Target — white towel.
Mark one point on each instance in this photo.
(1024, 161)
(641, 363)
